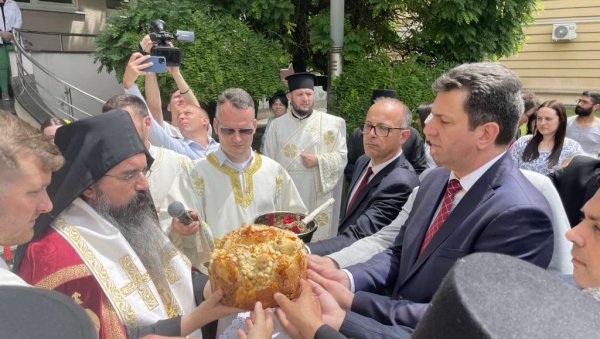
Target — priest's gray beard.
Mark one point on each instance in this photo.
(138, 223)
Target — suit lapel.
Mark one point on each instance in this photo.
(372, 183)
(421, 216)
(480, 192)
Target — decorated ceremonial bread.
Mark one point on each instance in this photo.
(253, 262)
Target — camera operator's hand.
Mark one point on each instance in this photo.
(146, 43)
(135, 67)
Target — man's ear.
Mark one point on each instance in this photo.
(487, 134)
(89, 193)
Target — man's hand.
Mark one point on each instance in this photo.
(309, 160)
(327, 272)
(332, 314)
(135, 67)
(302, 317)
(184, 229)
(323, 261)
(213, 309)
(6, 36)
(260, 325)
(209, 310)
(146, 43)
(342, 295)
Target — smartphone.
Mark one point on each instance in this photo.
(159, 64)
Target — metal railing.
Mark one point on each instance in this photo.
(42, 93)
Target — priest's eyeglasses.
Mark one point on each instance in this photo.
(380, 131)
(130, 177)
(241, 131)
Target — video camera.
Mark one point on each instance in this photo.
(160, 37)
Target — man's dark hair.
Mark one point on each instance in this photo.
(530, 101)
(423, 111)
(493, 95)
(126, 100)
(595, 96)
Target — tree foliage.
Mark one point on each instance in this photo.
(410, 78)
(226, 52)
(434, 30)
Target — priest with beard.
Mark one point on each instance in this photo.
(311, 146)
(102, 245)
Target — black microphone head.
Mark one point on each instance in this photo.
(176, 209)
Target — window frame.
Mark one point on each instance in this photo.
(41, 5)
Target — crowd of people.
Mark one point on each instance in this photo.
(88, 202)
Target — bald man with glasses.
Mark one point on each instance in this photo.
(383, 179)
(233, 185)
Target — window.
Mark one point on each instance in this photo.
(49, 5)
(37, 2)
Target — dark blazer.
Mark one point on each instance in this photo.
(413, 149)
(364, 325)
(375, 207)
(501, 213)
(576, 184)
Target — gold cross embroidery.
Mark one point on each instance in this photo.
(139, 282)
(166, 255)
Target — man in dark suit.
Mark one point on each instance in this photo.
(477, 202)
(576, 183)
(383, 180)
(413, 147)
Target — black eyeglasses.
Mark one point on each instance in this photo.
(131, 176)
(380, 131)
(241, 131)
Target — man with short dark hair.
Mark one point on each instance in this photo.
(478, 201)
(584, 126)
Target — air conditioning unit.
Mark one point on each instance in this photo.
(565, 31)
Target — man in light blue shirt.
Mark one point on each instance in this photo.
(196, 142)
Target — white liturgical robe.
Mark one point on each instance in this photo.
(325, 135)
(226, 197)
(168, 166)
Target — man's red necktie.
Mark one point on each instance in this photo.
(451, 190)
(361, 187)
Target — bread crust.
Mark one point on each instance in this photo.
(253, 262)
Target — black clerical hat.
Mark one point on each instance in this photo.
(300, 80)
(91, 147)
(29, 312)
(495, 296)
(386, 93)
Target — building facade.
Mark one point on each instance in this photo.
(562, 65)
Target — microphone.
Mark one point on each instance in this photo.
(176, 210)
